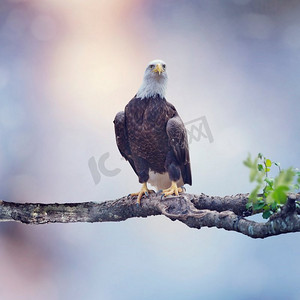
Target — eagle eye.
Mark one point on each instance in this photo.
(164, 66)
(151, 66)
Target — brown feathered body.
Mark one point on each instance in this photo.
(146, 126)
(152, 137)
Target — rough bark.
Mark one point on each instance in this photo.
(195, 211)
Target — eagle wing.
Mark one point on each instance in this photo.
(177, 136)
(122, 138)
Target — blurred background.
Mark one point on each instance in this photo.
(66, 69)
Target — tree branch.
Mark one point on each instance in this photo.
(195, 211)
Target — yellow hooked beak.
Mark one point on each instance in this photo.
(158, 69)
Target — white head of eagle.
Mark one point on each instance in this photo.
(155, 80)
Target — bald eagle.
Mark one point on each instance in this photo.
(152, 137)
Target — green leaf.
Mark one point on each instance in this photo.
(269, 181)
(248, 205)
(252, 175)
(267, 190)
(285, 177)
(260, 167)
(266, 214)
(268, 163)
(260, 156)
(267, 170)
(259, 205)
(280, 194)
(253, 194)
(266, 207)
(274, 206)
(247, 162)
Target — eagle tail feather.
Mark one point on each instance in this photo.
(186, 174)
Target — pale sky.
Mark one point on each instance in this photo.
(66, 69)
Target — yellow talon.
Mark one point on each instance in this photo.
(173, 189)
(144, 190)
